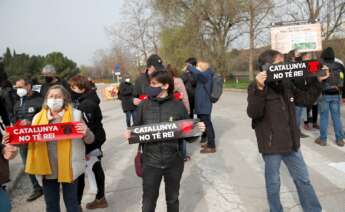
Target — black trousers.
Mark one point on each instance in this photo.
(152, 178)
(100, 179)
(313, 118)
(209, 133)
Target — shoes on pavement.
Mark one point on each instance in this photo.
(307, 127)
(208, 150)
(320, 142)
(204, 145)
(35, 195)
(187, 158)
(316, 126)
(203, 140)
(340, 143)
(97, 203)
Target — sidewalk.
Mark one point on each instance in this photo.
(16, 171)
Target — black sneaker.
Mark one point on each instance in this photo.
(35, 195)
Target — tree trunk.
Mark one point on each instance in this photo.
(251, 43)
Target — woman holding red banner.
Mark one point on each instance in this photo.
(59, 163)
(161, 159)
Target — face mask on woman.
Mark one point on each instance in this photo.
(55, 104)
(153, 92)
(21, 92)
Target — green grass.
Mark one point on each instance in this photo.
(242, 84)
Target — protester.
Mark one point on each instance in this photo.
(86, 100)
(330, 99)
(27, 105)
(162, 159)
(203, 105)
(180, 89)
(271, 106)
(190, 84)
(50, 77)
(125, 94)
(59, 163)
(8, 152)
(153, 63)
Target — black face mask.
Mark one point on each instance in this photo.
(75, 95)
(153, 92)
(49, 79)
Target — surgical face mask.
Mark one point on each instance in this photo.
(128, 80)
(55, 104)
(21, 92)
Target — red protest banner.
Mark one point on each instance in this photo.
(43, 133)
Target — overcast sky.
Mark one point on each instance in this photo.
(74, 27)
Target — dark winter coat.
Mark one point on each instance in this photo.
(190, 82)
(140, 85)
(45, 87)
(203, 104)
(125, 94)
(88, 103)
(26, 108)
(4, 168)
(162, 154)
(273, 115)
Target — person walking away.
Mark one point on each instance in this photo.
(126, 91)
(190, 84)
(203, 104)
(161, 159)
(85, 99)
(330, 99)
(271, 106)
(27, 105)
(59, 164)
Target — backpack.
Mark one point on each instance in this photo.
(216, 87)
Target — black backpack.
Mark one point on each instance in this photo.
(216, 87)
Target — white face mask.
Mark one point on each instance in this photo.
(21, 92)
(128, 80)
(55, 104)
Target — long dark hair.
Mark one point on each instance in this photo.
(165, 78)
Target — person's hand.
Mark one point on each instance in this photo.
(201, 126)
(9, 152)
(185, 68)
(261, 79)
(322, 78)
(127, 134)
(81, 128)
(136, 101)
(6, 138)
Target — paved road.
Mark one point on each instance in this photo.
(231, 180)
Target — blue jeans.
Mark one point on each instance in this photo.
(51, 191)
(299, 111)
(298, 170)
(23, 151)
(5, 202)
(330, 103)
(129, 117)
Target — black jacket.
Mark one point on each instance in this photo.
(3, 113)
(273, 115)
(190, 82)
(45, 87)
(141, 83)
(27, 107)
(161, 154)
(125, 94)
(88, 103)
(4, 168)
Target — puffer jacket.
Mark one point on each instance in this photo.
(273, 115)
(4, 168)
(161, 154)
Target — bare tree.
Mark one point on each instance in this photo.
(139, 29)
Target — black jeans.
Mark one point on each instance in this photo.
(209, 133)
(51, 191)
(100, 179)
(315, 111)
(151, 182)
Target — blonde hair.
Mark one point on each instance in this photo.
(67, 100)
(203, 65)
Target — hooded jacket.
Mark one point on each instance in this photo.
(88, 104)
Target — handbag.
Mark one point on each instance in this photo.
(138, 162)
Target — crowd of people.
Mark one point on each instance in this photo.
(161, 94)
